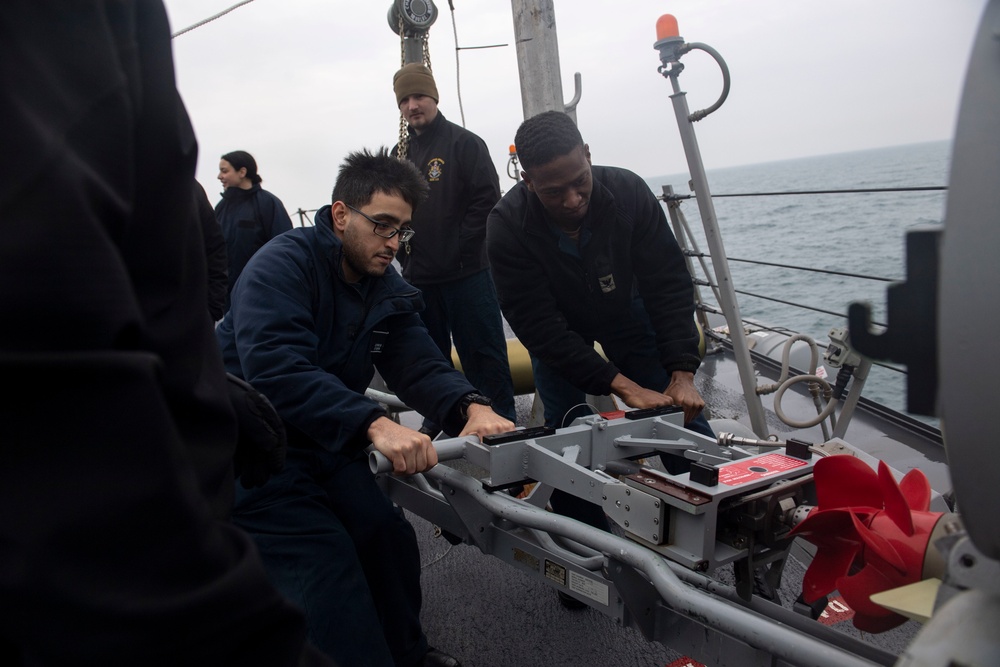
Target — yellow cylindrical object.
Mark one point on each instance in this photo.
(520, 362)
(520, 366)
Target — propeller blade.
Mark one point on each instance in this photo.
(917, 490)
(896, 506)
(822, 526)
(857, 590)
(879, 546)
(844, 481)
(828, 565)
(877, 624)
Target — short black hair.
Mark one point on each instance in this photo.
(364, 173)
(241, 159)
(545, 137)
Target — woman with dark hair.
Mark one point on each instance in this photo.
(250, 216)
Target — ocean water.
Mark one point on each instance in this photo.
(861, 233)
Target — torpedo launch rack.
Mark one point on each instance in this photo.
(727, 502)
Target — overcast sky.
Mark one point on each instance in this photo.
(300, 83)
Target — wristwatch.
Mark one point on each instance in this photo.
(469, 399)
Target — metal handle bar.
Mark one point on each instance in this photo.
(447, 450)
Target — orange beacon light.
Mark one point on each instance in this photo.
(666, 27)
(668, 39)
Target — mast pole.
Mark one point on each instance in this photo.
(541, 90)
(538, 58)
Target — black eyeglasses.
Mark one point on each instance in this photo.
(384, 229)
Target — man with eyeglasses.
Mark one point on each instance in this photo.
(447, 259)
(315, 312)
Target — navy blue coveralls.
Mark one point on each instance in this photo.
(249, 219)
(310, 341)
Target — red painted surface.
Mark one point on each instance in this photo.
(684, 662)
(836, 611)
(756, 468)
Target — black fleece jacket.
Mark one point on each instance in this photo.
(558, 303)
(451, 224)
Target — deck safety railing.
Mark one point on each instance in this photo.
(702, 273)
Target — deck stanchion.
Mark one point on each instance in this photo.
(671, 46)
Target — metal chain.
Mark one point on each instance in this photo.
(404, 140)
(403, 146)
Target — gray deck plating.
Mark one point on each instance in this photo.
(489, 614)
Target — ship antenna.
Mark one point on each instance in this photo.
(458, 71)
(210, 18)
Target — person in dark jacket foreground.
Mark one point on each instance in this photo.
(446, 260)
(116, 478)
(249, 215)
(582, 254)
(316, 312)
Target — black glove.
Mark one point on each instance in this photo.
(260, 448)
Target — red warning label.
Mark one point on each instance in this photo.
(749, 470)
(685, 662)
(836, 611)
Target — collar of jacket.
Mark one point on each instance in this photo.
(328, 241)
(238, 194)
(431, 130)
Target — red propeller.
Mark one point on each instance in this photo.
(872, 535)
